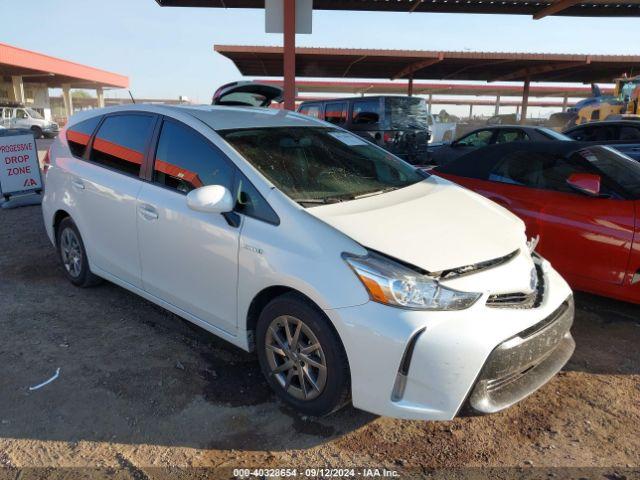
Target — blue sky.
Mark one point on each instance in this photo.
(167, 52)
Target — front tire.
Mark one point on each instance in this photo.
(37, 132)
(73, 255)
(302, 357)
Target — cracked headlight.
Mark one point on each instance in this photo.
(391, 283)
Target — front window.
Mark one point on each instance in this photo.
(614, 165)
(406, 113)
(34, 113)
(476, 139)
(509, 136)
(314, 165)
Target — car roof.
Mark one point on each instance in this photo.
(368, 97)
(216, 117)
(626, 123)
(478, 162)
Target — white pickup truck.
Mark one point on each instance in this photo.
(17, 116)
(440, 131)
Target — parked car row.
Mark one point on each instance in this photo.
(352, 274)
(624, 136)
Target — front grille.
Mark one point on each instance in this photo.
(532, 299)
(525, 362)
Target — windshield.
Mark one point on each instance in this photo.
(406, 112)
(316, 165)
(615, 165)
(548, 132)
(33, 113)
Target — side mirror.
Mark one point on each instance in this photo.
(210, 199)
(587, 183)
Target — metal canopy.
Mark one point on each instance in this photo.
(424, 88)
(54, 72)
(260, 61)
(538, 9)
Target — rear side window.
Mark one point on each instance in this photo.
(121, 142)
(366, 112)
(185, 160)
(78, 135)
(336, 113)
(311, 110)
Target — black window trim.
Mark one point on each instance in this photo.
(235, 180)
(87, 153)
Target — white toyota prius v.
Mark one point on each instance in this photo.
(353, 276)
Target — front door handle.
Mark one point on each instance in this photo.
(77, 184)
(148, 212)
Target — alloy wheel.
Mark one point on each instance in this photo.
(295, 357)
(71, 252)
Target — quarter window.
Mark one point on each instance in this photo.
(78, 135)
(249, 202)
(336, 113)
(121, 142)
(185, 160)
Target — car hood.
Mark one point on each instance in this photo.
(434, 225)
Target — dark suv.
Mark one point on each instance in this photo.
(398, 124)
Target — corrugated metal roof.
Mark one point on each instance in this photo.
(588, 8)
(424, 88)
(267, 61)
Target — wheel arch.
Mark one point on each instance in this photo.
(57, 218)
(262, 299)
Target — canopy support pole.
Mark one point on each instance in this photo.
(410, 86)
(290, 54)
(525, 99)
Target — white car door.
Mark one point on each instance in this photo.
(105, 190)
(21, 119)
(189, 259)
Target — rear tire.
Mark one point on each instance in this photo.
(302, 357)
(73, 255)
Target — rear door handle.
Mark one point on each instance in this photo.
(77, 184)
(148, 212)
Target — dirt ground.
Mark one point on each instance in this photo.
(139, 388)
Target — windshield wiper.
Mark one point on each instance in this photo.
(326, 200)
(376, 192)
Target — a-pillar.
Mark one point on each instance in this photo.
(525, 100)
(18, 89)
(68, 101)
(290, 54)
(100, 96)
(497, 110)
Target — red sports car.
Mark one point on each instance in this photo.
(583, 202)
